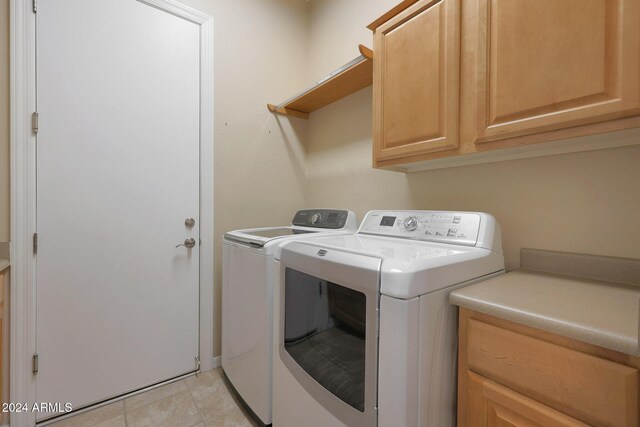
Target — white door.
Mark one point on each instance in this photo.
(118, 87)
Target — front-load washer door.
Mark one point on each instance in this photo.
(329, 328)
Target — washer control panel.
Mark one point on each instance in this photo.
(460, 228)
(321, 218)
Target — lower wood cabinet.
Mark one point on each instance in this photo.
(4, 282)
(492, 405)
(513, 375)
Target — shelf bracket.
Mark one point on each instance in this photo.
(365, 51)
(287, 111)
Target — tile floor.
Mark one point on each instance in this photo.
(203, 400)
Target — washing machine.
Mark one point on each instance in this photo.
(364, 333)
(247, 299)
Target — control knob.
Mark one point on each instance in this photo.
(410, 223)
(315, 218)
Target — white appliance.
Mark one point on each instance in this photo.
(247, 299)
(364, 333)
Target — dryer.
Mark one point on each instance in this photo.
(247, 299)
(364, 333)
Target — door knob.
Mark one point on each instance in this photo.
(188, 243)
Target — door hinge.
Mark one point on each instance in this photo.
(35, 6)
(35, 243)
(35, 363)
(197, 362)
(34, 122)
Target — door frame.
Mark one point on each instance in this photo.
(23, 196)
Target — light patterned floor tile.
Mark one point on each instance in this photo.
(93, 417)
(233, 417)
(180, 404)
(210, 393)
(150, 396)
(172, 411)
(118, 421)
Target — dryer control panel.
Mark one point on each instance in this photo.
(459, 228)
(322, 218)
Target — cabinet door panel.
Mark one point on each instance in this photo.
(416, 81)
(4, 283)
(492, 405)
(548, 64)
(591, 388)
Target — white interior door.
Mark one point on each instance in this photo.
(118, 87)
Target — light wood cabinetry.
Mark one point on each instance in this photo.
(530, 71)
(4, 282)
(416, 80)
(539, 65)
(510, 374)
(493, 405)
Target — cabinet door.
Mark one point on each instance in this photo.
(537, 65)
(492, 405)
(416, 81)
(4, 282)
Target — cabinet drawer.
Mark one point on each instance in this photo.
(491, 404)
(595, 390)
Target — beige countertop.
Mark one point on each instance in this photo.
(4, 264)
(593, 311)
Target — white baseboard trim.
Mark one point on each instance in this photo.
(217, 362)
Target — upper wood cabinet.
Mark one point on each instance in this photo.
(454, 78)
(416, 81)
(539, 65)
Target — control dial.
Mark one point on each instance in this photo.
(410, 223)
(315, 218)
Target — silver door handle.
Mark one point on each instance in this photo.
(188, 243)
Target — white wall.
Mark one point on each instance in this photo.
(582, 202)
(335, 30)
(259, 57)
